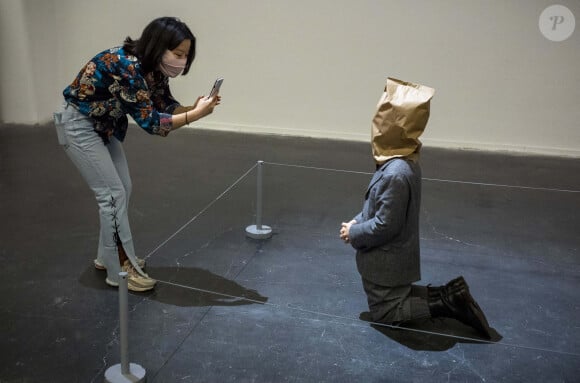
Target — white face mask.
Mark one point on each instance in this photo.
(170, 65)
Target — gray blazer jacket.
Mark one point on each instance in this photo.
(386, 235)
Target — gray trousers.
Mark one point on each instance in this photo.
(396, 304)
(104, 168)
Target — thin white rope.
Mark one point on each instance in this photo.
(360, 322)
(202, 210)
(317, 168)
(433, 179)
(288, 306)
(504, 185)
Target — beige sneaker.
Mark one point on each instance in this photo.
(135, 281)
(100, 266)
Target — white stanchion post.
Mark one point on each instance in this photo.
(259, 231)
(123, 322)
(125, 371)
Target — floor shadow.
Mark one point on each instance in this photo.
(181, 287)
(94, 279)
(431, 334)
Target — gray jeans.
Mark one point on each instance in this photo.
(104, 168)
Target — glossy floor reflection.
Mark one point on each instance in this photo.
(290, 308)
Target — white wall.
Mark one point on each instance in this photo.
(17, 100)
(317, 67)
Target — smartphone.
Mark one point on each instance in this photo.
(216, 87)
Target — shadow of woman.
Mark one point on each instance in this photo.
(432, 334)
(192, 286)
(186, 286)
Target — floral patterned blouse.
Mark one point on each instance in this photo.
(111, 85)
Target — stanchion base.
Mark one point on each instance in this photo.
(265, 232)
(114, 375)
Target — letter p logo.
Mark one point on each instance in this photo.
(557, 20)
(557, 23)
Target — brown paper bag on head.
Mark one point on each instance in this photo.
(401, 117)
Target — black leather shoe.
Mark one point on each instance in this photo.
(452, 284)
(454, 301)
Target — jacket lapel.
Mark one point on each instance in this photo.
(376, 177)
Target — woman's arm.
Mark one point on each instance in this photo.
(183, 115)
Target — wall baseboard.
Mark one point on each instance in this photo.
(503, 148)
(436, 143)
(428, 142)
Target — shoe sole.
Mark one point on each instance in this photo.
(452, 286)
(478, 314)
(131, 287)
(99, 265)
(458, 283)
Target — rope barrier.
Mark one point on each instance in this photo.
(345, 318)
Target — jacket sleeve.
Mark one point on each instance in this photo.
(388, 202)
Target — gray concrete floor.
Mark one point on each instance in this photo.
(285, 309)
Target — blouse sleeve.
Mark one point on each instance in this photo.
(131, 90)
(161, 95)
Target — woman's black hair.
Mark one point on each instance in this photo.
(164, 33)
